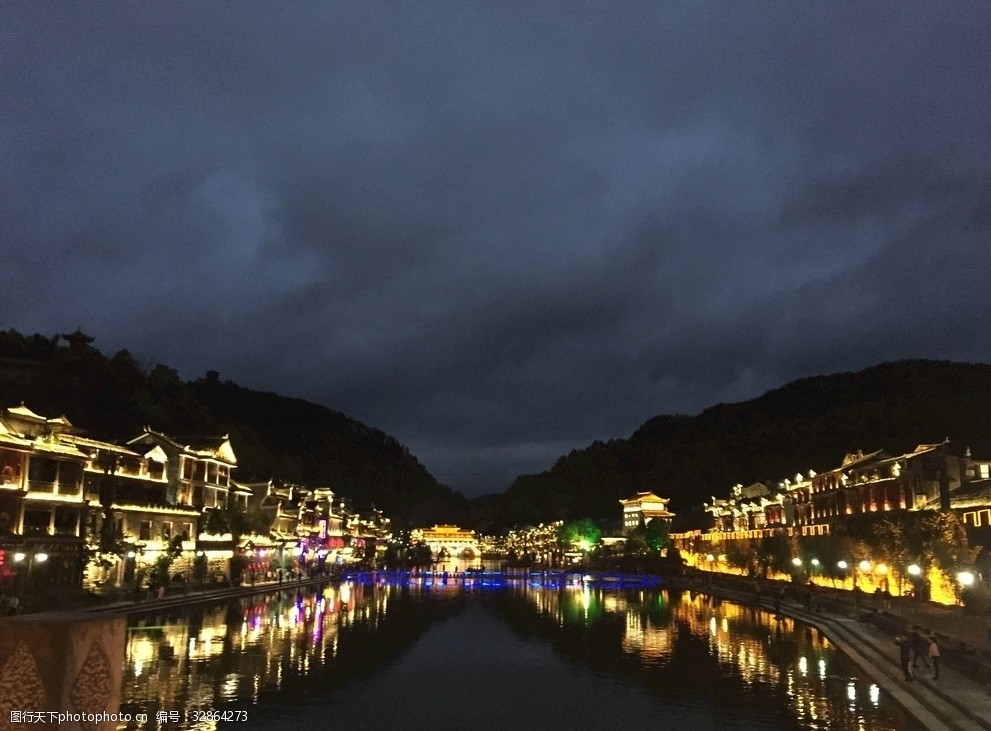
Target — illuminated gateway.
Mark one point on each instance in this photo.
(450, 541)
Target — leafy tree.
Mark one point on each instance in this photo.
(636, 542)
(420, 554)
(899, 538)
(200, 565)
(239, 562)
(582, 532)
(161, 572)
(656, 534)
(774, 554)
(742, 554)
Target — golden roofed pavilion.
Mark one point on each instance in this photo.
(643, 508)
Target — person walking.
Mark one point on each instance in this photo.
(920, 648)
(905, 657)
(934, 657)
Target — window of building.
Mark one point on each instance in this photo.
(187, 468)
(985, 471)
(156, 470)
(42, 473)
(37, 521)
(167, 530)
(984, 517)
(66, 521)
(10, 467)
(70, 478)
(144, 531)
(199, 471)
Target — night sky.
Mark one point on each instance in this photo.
(499, 233)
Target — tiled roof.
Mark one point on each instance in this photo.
(974, 494)
(644, 497)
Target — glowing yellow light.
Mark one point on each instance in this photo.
(865, 565)
(882, 569)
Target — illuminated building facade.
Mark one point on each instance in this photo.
(42, 508)
(449, 541)
(643, 508)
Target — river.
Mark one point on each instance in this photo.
(454, 656)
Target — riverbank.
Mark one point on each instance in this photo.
(205, 594)
(961, 697)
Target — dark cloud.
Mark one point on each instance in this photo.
(500, 232)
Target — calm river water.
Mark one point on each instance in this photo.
(454, 657)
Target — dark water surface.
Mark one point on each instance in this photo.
(453, 657)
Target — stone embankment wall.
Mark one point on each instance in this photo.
(61, 663)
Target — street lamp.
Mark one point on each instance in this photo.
(32, 561)
(965, 580)
(882, 570)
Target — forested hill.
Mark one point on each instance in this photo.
(809, 423)
(273, 436)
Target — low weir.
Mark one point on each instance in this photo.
(471, 577)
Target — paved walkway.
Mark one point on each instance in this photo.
(959, 699)
(201, 595)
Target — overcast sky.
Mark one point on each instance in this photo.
(493, 231)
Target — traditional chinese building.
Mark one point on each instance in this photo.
(449, 541)
(132, 506)
(198, 475)
(643, 508)
(42, 508)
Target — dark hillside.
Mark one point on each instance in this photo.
(273, 436)
(809, 423)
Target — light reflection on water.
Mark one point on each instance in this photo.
(291, 655)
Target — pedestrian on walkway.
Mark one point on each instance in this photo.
(920, 648)
(886, 597)
(934, 657)
(857, 592)
(905, 657)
